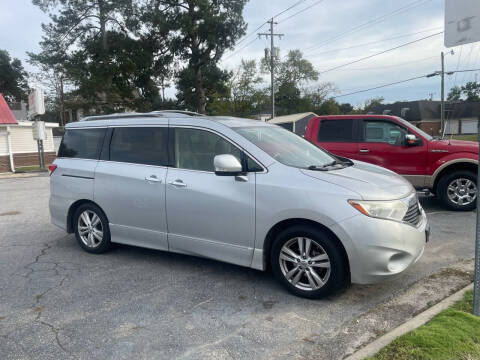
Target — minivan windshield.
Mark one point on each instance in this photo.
(286, 147)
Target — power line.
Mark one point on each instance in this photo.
(368, 23)
(237, 51)
(289, 8)
(391, 66)
(250, 34)
(380, 53)
(376, 42)
(301, 11)
(258, 28)
(380, 86)
(462, 71)
(399, 82)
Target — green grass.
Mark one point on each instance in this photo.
(28, 168)
(472, 137)
(453, 334)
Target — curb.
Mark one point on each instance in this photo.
(22, 175)
(378, 344)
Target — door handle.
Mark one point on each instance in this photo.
(364, 151)
(153, 178)
(178, 183)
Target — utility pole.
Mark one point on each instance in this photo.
(442, 95)
(273, 53)
(442, 107)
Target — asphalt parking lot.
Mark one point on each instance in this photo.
(57, 301)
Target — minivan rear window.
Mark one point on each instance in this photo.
(82, 143)
(140, 145)
(336, 130)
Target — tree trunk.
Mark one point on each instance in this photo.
(199, 90)
(104, 54)
(103, 26)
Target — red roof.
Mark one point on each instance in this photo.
(6, 115)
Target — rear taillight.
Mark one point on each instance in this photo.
(52, 168)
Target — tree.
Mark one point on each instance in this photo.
(471, 90)
(107, 50)
(13, 78)
(214, 85)
(319, 94)
(244, 88)
(372, 104)
(203, 30)
(455, 94)
(291, 77)
(329, 107)
(345, 108)
(295, 69)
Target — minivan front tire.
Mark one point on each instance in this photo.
(308, 262)
(91, 229)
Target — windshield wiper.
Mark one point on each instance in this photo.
(325, 167)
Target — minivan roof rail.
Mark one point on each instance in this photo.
(181, 112)
(121, 116)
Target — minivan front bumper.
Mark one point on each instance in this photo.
(380, 249)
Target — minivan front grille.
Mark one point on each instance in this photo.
(413, 213)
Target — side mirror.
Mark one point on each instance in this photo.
(411, 140)
(227, 165)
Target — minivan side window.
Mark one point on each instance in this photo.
(81, 143)
(376, 131)
(140, 145)
(336, 131)
(195, 149)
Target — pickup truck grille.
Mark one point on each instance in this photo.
(413, 214)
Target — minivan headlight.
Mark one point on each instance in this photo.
(390, 210)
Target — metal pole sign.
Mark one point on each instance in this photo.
(462, 26)
(39, 134)
(36, 107)
(476, 280)
(462, 22)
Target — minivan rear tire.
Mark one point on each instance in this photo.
(321, 244)
(96, 246)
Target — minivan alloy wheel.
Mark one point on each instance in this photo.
(90, 229)
(462, 191)
(305, 263)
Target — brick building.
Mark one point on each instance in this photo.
(461, 117)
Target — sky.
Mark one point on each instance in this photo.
(320, 32)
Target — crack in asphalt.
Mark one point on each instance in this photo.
(40, 308)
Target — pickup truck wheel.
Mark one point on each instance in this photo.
(458, 190)
(308, 262)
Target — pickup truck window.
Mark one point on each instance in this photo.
(376, 131)
(336, 131)
(418, 130)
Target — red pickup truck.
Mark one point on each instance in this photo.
(448, 168)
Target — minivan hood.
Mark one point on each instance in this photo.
(371, 182)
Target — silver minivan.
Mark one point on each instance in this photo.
(235, 190)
